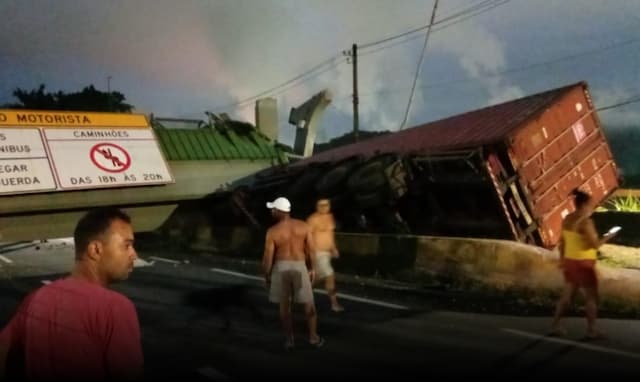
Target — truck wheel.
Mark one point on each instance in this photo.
(332, 181)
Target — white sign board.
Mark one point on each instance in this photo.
(50, 151)
(89, 158)
(23, 162)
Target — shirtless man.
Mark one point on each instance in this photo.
(289, 269)
(322, 228)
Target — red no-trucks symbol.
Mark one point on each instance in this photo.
(109, 157)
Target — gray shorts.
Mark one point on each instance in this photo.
(290, 279)
(323, 264)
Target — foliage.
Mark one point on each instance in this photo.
(629, 203)
(88, 99)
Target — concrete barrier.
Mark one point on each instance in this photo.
(496, 263)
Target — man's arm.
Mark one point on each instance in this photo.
(310, 253)
(267, 258)
(4, 352)
(5, 346)
(334, 248)
(561, 253)
(311, 221)
(124, 359)
(589, 230)
(13, 332)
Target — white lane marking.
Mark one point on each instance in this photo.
(138, 263)
(365, 300)
(6, 259)
(165, 260)
(322, 291)
(212, 373)
(238, 274)
(15, 247)
(582, 345)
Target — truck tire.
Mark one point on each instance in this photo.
(333, 180)
(371, 175)
(369, 200)
(304, 185)
(367, 178)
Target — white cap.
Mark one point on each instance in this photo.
(281, 204)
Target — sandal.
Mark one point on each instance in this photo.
(289, 345)
(558, 332)
(318, 343)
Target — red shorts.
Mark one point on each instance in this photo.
(581, 273)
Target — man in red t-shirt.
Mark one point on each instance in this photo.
(75, 328)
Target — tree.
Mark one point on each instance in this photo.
(89, 99)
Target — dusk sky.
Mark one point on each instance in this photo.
(180, 58)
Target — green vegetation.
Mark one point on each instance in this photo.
(88, 99)
(629, 203)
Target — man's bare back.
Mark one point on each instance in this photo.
(323, 226)
(288, 261)
(291, 239)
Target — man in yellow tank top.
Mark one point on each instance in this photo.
(578, 254)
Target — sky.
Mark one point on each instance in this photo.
(179, 59)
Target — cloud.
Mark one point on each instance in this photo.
(177, 59)
(481, 54)
(503, 93)
(339, 19)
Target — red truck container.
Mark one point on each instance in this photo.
(504, 171)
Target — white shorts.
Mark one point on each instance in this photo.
(323, 265)
(290, 278)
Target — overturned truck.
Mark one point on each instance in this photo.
(504, 171)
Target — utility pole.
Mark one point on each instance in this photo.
(352, 56)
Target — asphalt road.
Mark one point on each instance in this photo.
(228, 331)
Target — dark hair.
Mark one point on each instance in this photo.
(94, 224)
(581, 198)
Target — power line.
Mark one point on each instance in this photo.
(418, 68)
(628, 101)
(469, 12)
(438, 29)
(330, 62)
(249, 103)
(479, 12)
(467, 4)
(517, 69)
(419, 29)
